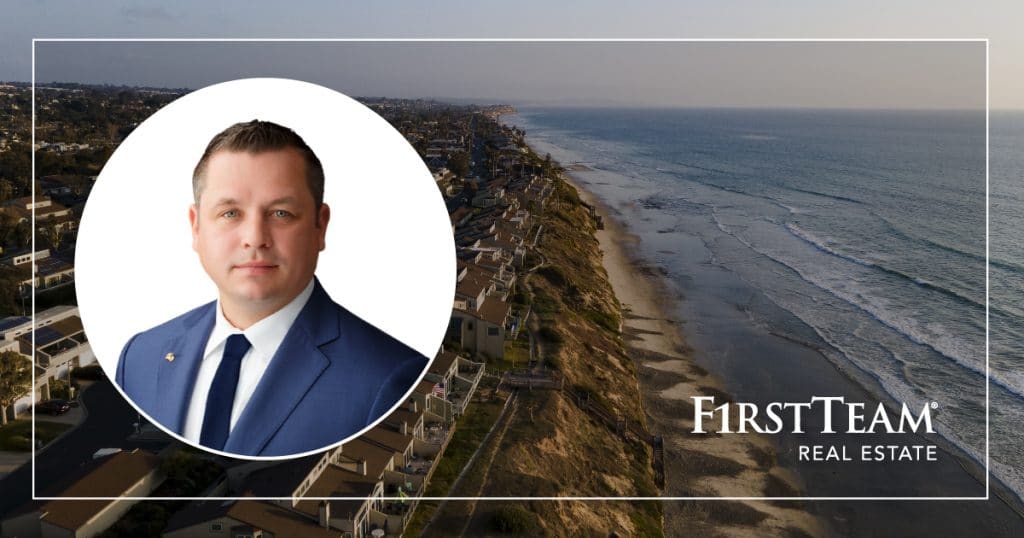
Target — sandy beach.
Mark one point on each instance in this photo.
(696, 466)
(753, 465)
(701, 316)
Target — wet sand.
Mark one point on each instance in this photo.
(709, 466)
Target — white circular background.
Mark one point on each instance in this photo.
(390, 255)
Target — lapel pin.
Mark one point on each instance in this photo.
(169, 357)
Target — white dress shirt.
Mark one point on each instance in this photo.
(265, 336)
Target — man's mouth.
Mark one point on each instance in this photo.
(256, 267)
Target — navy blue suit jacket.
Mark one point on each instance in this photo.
(333, 375)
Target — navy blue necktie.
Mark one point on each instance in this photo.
(217, 421)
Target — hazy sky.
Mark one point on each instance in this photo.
(751, 74)
(875, 75)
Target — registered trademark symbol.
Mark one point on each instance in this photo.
(935, 405)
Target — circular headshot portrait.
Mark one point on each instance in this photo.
(266, 268)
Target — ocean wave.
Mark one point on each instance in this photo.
(891, 382)
(792, 209)
(900, 391)
(994, 262)
(1006, 309)
(702, 168)
(825, 195)
(936, 339)
(823, 245)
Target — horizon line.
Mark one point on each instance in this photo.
(481, 101)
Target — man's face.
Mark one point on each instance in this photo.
(257, 229)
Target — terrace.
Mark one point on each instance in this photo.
(435, 433)
(418, 466)
(458, 398)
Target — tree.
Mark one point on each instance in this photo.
(7, 226)
(22, 234)
(10, 291)
(458, 163)
(15, 379)
(16, 165)
(6, 190)
(52, 233)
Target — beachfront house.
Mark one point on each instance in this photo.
(481, 330)
(458, 378)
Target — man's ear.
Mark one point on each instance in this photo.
(323, 216)
(193, 220)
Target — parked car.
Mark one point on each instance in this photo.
(53, 407)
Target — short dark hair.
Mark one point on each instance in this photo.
(256, 137)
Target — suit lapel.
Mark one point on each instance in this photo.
(292, 371)
(176, 377)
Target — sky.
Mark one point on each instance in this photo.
(679, 74)
(665, 74)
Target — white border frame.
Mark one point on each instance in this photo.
(532, 40)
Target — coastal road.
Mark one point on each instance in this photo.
(108, 425)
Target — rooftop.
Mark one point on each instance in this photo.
(110, 476)
(338, 482)
(443, 362)
(279, 480)
(494, 311)
(391, 439)
(13, 321)
(377, 459)
(261, 515)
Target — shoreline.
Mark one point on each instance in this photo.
(791, 359)
(658, 345)
(667, 376)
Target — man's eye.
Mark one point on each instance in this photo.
(280, 213)
(231, 213)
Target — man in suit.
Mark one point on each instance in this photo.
(273, 367)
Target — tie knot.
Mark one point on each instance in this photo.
(236, 347)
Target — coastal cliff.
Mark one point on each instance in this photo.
(574, 426)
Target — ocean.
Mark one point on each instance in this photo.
(861, 234)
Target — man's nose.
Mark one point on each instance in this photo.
(256, 232)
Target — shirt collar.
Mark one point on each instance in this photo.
(266, 334)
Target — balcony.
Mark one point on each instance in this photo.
(397, 482)
(396, 508)
(418, 466)
(458, 399)
(435, 433)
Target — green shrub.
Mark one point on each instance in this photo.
(553, 274)
(544, 303)
(603, 319)
(60, 390)
(550, 335)
(92, 372)
(19, 443)
(514, 519)
(521, 297)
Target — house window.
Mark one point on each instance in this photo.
(216, 527)
(492, 331)
(469, 325)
